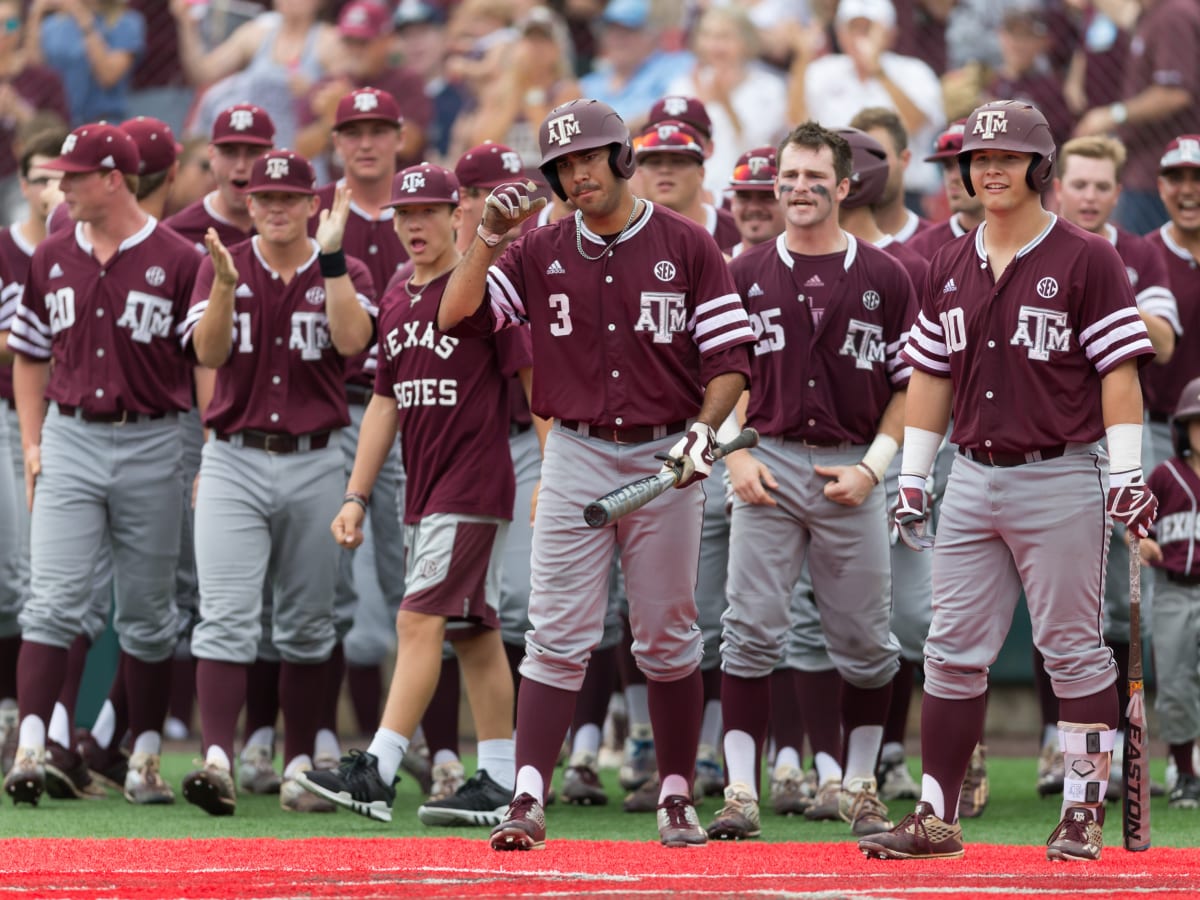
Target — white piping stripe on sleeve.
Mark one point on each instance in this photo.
(1160, 302)
(934, 328)
(1125, 351)
(1120, 335)
(928, 344)
(902, 375)
(709, 324)
(709, 306)
(721, 339)
(366, 303)
(504, 295)
(928, 362)
(1107, 322)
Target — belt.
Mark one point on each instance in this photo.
(274, 442)
(1007, 460)
(1160, 418)
(635, 434)
(124, 417)
(359, 394)
(515, 428)
(1180, 578)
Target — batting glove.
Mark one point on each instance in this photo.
(509, 204)
(691, 458)
(1131, 502)
(912, 513)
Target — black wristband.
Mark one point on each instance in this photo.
(333, 265)
(355, 497)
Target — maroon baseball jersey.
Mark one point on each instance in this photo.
(1177, 488)
(1026, 353)
(196, 218)
(932, 239)
(1147, 271)
(829, 383)
(723, 227)
(451, 394)
(283, 374)
(630, 338)
(916, 265)
(16, 254)
(110, 331)
(913, 225)
(1162, 385)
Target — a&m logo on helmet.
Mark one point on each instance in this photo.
(511, 161)
(990, 123)
(675, 106)
(68, 144)
(413, 182)
(366, 101)
(241, 119)
(277, 167)
(561, 129)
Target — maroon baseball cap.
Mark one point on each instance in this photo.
(424, 183)
(368, 105)
(155, 141)
(90, 148)
(1182, 153)
(670, 136)
(365, 20)
(755, 170)
(949, 143)
(244, 123)
(488, 165)
(682, 109)
(284, 171)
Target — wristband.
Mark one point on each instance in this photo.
(868, 470)
(333, 265)
(920, 447)
(1124, 447)
(880, 455)
(492, 240)
(355, 497)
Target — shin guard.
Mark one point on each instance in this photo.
(1087, 753)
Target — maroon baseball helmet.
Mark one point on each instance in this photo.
(1010, 125)
(682, 109)
(1182, 153)
(584, 125)
(155, 141)
(870, 173)
(92, 148)
(949, 143)
(368, 105)
(670, 136)
(1187, 409)
(244, 123)
(424, 183)
(755, 170)
(282, 171)
(488, 165)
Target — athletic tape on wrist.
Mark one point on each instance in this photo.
(880, 455)
(1124, 448)
(729, 429)
(920, 447)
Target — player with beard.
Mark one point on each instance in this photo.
(752, 203)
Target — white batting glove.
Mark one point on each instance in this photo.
(691, 457)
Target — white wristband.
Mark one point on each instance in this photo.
(1124, 448)
(880, 455)
(729, 429)
(920, 447)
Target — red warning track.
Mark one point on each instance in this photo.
(422, 867)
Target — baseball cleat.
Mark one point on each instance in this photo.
(678, 824)
(108, 765)
(895, 781)
(416, 763)
(861, 807)
(1079, 836)
(640, 764)
(523, 826)
(645, 798)
(1186, 794)
(10, 723)
(1051, 769)
(480, 801)
(581, 782)
(143, 783)
(790, 793)
(447, 777)
(67, 775)
(826, 806)
(973, 796)
(355, 785)
(26, 779)
(211, 789)
(256, 770)
(738, 819)
(920, 835)
(293, 797)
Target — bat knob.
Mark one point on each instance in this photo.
(595, 515)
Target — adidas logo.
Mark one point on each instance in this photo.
(815, 281)
(755, 290)
(555, 268)
(243, 290)
(56, 271)
(950, 287)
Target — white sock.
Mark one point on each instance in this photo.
(739, 759)
(827, 768)
(444, 756)
(586, 739)
(529, 781)
(892, 750)
(710, 725)
(32, 733)
(862, 748)
(1050, 735)
(262, 737)
(216, 757)
(931, 793)
(303, 761)
(106, 724)
(389, 748)
(637, 702)
(498, 758)
(674, 784)
(148, 742)
(327, 744)
(787, 756)
(60, 728)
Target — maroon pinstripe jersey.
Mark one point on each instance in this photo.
(110, 331)
(451, 395)
(1163, 384)
(1177, 528)
(1026, 353)
(16, 254)
(195, 219)
(630, 338)
(829, 383)
(283, 374)
(930, 240)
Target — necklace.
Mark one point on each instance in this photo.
(612, 243)
(412, 297)
(415, 296)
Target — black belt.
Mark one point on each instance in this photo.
(515, 428)
(358, 394)
(634, 434)
(274, 442)
(1185, 580)
(1159, 418)
(124, 417)
(1007, 460)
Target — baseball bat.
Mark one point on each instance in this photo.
(637, 494)
(1135, 820)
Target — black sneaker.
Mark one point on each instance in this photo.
(1186, 794)
(480, 801)
(355, 784)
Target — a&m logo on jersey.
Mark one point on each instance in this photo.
(366, 102)
(277, 167)
(663, 315)
(413, 182)
(241, 119)
(147, 317)
(871, 300)
(1041, 330)
(1047, 288)
(310, 335)
(664, 270)
(315, 295)
(155, 276)
(864, 342)
(561, 129)
(990, 124)
(511, 161)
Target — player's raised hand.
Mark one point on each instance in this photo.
(750, 479)
(508, 205)
(332, 224)
(912, 513)
(347, 525)
(223, 267)
(850, 485)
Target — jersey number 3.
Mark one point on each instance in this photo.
(561, 326)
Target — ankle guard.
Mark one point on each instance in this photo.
(1087, 754)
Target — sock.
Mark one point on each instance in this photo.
(149, 742)
(787, 757)
(262, 737)
(896, 724)
(217, 757)
(498, 758)
(950, 729)
(710, 725)
(327, 744)
(741, 760)
(586, 740)
(444, 756)
(106, 720)
(637, 704)
(301, 762)
(1050, 734)
(389, 748)
(862, 749)
(529, 781)
(674, 785)
(32, 733)
(891, 750)
(827, 768)
(60, 730)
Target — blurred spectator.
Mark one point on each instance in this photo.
(195, 178)
(867, 74)
(633, 70)
(1158, 101)
(420, 40)
(1099, 52)
(1025, 72)
(777, 22)
(365, 31)
(159, 88)
(581, 16)
(274, 59)
(746, 101)
(93, 45)
(921, 31)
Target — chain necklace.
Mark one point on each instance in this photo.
(415, 296)
(412, 298)
(612, 243)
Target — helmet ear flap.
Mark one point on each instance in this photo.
(621, 159)
(1040, 174)
(550, 173)
(964, 169)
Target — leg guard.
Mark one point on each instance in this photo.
(1087, 753)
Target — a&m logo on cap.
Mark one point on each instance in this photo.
(757, 164)
(511, 161)
(990, 123)
(665, 131)
(562, 128)
(241, 119)
(413, 182)
(277, 167)
(68, 144)
(366, 102)
(675, 106)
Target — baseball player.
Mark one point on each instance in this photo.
(1028, 329)
(752, 204)
(966, 211)
(640, 341)
(811, 482)
(96, 336)
(447, 398)
(893, 216)
(275, 316)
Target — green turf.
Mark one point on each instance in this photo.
(1015, 815)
